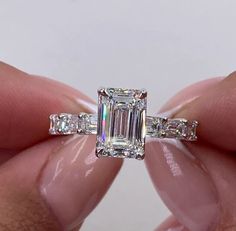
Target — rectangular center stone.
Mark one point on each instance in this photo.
(121, 123)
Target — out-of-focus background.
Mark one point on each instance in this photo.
(158, 45)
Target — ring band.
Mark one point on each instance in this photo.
(121, 124)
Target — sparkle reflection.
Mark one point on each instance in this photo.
(170, 160)
(104, 115)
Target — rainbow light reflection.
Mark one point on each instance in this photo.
(104, 116)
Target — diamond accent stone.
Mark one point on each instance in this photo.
(181, 129)
(155, 126)
(63, 123)
(66, 124)
(121, 123)
(171, 128)
(87, 124)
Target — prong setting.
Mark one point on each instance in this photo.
(142, 94)
(103, 91)
(121, 123)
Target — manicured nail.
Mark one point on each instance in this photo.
(79, 104)
(69, 97)
(190, 93)
(182, 180)
(74, 180)
(183, 183)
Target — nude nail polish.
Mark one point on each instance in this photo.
(183, 183)
(74, 180)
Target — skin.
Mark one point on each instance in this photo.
(53, 183)
(212, 104)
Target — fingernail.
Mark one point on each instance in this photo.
(179, 177)
(79, 104)
(70, 98)
(171, 224)
(190, 93)
(74, 180)
(182, 181)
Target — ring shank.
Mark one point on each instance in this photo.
(157, 127)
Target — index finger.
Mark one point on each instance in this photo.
(215, 110)
(27, 101)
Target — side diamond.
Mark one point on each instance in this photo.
(181, 129)
(63, 124)
(87, 123)
(155, 126)
(171, 128)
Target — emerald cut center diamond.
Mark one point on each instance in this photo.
(121, 123)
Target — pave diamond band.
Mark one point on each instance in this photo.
(156, 127)
(121, 124)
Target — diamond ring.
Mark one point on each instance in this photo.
(121, 124)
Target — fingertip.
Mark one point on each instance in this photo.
(67, 176)
(190, 92)
(30, 101)
(178, 175)
(8, 71)
(75, 174)
(171, 224)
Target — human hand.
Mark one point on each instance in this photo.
(197, 180)
(46, 184)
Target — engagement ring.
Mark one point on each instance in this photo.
(121, 124)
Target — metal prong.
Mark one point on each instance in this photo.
(99, 152)
(143, 94)
(164, 120)
(53, 116)
(103, 91)
(162, 134)
(196, 123)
